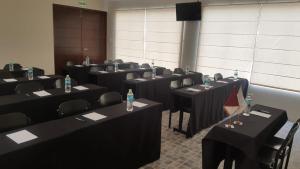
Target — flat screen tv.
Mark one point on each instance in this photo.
(188, 11)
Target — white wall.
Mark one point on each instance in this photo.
(26, 31)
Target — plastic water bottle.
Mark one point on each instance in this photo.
(236, 74)
(116, 67)
(187, 70)
(30, 73)
(153, 72)
(68, 84)
(11, 67)
(87, 61)
(130, 99)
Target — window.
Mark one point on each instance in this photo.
(227, 39)
(148, 34)
(277, 53)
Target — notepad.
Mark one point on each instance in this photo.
(93, 64)
(43, 77)
(78, 65)
(10, 80)
(159, 77)
(94, 116)
(257, 113)
(221, 81)
(208, 87)
(177, 74)
(193, 89)
(42, 93)
(80, 88)
(25, 68)
(231, 78)
(121, 70)
(21, 136)
(139, 104)
(102, 71)
(140, 79)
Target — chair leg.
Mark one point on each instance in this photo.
(180, 119)
(288, 156)
(170, 119)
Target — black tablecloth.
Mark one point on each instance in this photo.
(114, 80)
(41, 109)
(7, 88)
(123, 140)
(246, 140)
(206, 105)
(18, 73)
(157, 89)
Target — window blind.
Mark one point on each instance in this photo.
(227, 39)
(277, 53)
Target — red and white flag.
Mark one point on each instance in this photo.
(235, 103)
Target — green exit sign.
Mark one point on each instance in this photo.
(82, 2)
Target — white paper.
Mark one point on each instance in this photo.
(177, 74)
(206, 86)
(221, 81)
(21, 136)
(42, 93)
(25, 68)
(140, 79)
(102, 71)
(94, 116)
(43, 77)
(193, 89)
(10, 80)
(93, 64)
(78, 65)
(257, 113)
(80, 88)
(121, 70)
(139, 104)
(159, 77)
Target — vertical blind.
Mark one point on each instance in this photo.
(148, 34)
(277, 52)
(227, 39)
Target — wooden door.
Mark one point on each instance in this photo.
(78, 33)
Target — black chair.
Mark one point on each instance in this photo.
(96, 69)
(69, 63)
(130, 76)
(146, 66)
(13, 121)
(167, 72)
(147, 74)
(108, 61)
(277, 150)
(16, 66)
(25, 88)
(110, 98)
(5, 75)
(118, 61)
(60, 83)
(187, 82)
(218, 76)
(134, 66)
(36, 72)
(72, 107)
(179, 71)
(175, 84)
(110, 68)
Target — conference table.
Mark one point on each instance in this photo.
(114, 81)
(117, 139)
(241, 143)
(44, 108)
(19, 73)
(206, 105)
(7, 86)
(158, 89)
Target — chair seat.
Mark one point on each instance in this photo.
(274, 143)
(267, 157)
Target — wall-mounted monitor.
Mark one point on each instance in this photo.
(188, 11)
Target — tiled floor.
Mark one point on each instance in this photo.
(177, 152)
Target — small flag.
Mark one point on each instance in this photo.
(232, 104)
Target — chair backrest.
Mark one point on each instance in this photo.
(108, 61)
(134, 66)
(119, 61)
(179, 71)
(96, 69)
(167, 72)
(175, 84)
(60, 83)
(13, 121)
(17, 66)
(218, 76)
(147, 74)
(69, 63)
(187, 82)
(5, 75)
(146, 66)
(36, 72)
(130, 76)
(110, 98)
(29, 87)
(110, 68)
(72, 107)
